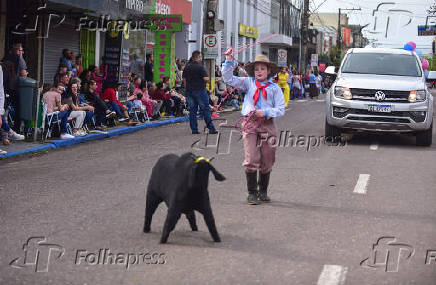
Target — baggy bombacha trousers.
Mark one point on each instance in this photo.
(260, 143)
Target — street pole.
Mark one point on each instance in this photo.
(301, 35)
(339, 37)
(210, 6)
(304, 35)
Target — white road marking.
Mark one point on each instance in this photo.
(361, 184)
(304, 100)
(373, 146)
(332, 275)
(320, 100)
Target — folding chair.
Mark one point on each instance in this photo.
(52, 119)
(137, 115)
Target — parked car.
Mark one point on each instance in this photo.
(381, 90)
(431, 79)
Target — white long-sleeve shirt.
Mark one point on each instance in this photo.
(2, 94)
(273, 106)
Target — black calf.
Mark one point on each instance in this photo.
(181, 182)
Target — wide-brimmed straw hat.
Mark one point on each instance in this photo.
(261, 58)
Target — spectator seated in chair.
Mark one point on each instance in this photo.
(53, 100)
(157, 93)
(76, 114)
(101, 111)
(177, 99)
(110, 97)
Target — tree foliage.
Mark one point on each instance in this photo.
(432, 10)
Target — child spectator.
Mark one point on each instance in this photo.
(137, 103)
(158, 94)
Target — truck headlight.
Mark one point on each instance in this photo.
(417, 96)
(343, 92)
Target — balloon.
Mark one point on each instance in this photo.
(424, 63)
(418, 52)
(412, 44)
(408, 47)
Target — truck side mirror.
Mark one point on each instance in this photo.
(330, 70)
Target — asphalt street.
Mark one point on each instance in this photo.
(361, 212)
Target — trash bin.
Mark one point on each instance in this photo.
(28, 92)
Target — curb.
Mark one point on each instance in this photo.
(94, 136)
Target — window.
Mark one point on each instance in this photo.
(382, 63)
(275, 16)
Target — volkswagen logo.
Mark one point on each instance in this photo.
(379, 96)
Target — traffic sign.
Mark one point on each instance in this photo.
(210, 44)
(314, 60)
(282, 57)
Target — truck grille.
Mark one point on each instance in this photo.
(391, 95)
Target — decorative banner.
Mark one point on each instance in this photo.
(164, 56)
(347, 35)
(248, 31)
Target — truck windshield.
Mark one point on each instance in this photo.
(382, 63)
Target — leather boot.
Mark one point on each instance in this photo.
(263, 187)
(252, 188)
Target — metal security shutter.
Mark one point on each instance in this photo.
(60, 37)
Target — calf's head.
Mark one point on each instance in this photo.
(198, 169)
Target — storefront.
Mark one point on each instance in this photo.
(45, 29)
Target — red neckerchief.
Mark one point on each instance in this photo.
(260, 89)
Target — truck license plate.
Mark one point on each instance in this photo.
(380, 108)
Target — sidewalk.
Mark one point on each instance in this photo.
(24, 147)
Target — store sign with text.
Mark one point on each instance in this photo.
(248, 31)
(182, 7)
(136, 5)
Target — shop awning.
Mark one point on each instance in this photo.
(277, 40)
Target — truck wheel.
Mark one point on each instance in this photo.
(332, 133)
(424, 138)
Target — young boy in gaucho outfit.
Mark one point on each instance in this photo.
(264, 101)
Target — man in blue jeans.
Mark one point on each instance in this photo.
(195, 78)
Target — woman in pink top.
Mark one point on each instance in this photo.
(99, 79)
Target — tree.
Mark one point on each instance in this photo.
(432, 9)
(335, 56)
